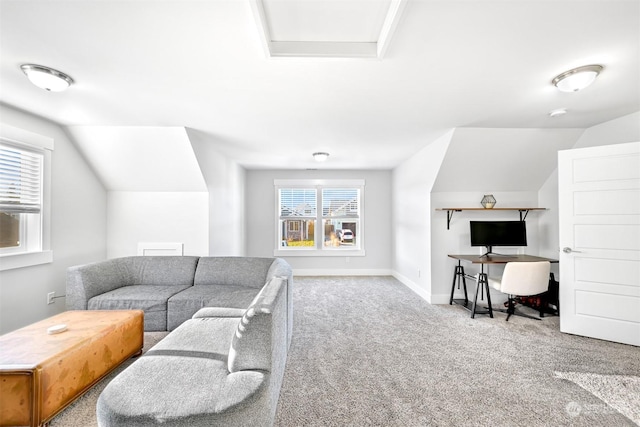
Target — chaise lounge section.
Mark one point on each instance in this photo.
(223, 367)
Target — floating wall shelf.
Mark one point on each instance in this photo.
(523, 211)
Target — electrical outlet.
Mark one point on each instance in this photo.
(50, 297)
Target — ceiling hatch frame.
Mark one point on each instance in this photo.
(327, 49)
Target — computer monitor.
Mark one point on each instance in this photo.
(498, 233)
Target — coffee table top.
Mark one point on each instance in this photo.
(32, 345)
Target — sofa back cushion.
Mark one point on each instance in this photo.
(160, 270)
(234, 271)
(251, 346)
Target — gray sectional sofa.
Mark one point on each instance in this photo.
(223, 362)
(223, 367)
(170, 289)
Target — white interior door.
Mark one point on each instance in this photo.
(599, 190)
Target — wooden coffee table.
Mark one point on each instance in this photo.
(40, 374)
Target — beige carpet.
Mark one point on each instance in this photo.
(368, 352)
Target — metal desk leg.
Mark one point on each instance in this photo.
(486, 286)
(483, 283)
(458, 274)
(482, 279)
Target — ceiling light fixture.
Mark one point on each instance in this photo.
(577, 78)
(320, 156)
(558, 112)
(46, 78)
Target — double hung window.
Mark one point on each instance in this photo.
(22, 198)
(319, 217)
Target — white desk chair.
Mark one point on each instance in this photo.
(522, 279)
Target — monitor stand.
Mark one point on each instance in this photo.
(490, 252)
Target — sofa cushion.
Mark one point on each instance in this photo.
(152, 299)
(251, 344)
(183, 381)
(219, 312)
(235, 271)
(161, 270)
(182, 306)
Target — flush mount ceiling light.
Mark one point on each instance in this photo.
(46, 78)
(558, 112)
(577, 78)
(320, 156)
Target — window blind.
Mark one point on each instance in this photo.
(20, 180)
(298, 202)
(340, 202)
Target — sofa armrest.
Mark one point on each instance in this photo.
(86, 281)
(281, 268)
(218, 312)
(260, 341)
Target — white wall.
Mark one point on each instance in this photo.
(225, 181)
(504, 159)
(455, 240)
(411, 204)
(78, 228)
(618, 131)
(134, 216)
(261, 217)
(548, 226)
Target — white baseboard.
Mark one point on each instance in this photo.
(413, 286)
(441, 298)
(431, 299)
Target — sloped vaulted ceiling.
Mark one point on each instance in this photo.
(140, 158)
(201, 65)
(481, 159)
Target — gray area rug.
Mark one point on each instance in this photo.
(368, 352)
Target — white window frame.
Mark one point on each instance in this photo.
(38, 249)
(319, 249)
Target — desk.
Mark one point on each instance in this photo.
(482, 284)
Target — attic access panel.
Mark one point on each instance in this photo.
(326, 28)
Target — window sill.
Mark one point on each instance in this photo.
(318, 253)
(28, 259)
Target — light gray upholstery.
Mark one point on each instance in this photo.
(150, 298)
(253, 334)
(281, 268)
(184, 380)
(233, 271)
(200, 282)
(219, 312)
(87, 281)
(183, 305)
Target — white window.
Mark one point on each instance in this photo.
(334, 229)
(24, 169)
